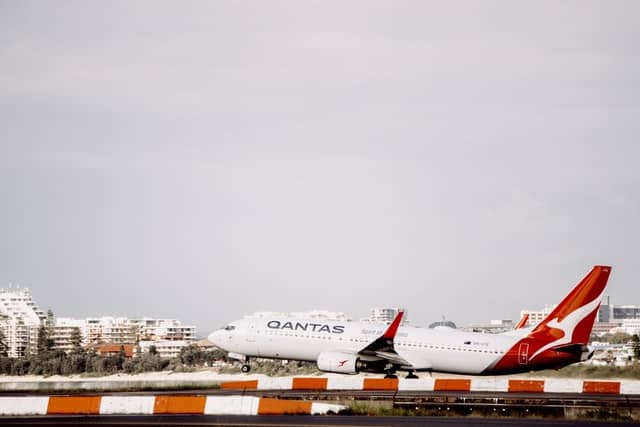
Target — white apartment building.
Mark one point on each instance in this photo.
(386, 315)
(109, 329)
(311, 314)
(149, 329)
(165, 348)
(536, 317)
(20, 319)
(495, 326)
(120, 330)
(627, 326)
(63, 330)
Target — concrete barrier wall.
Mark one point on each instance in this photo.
(492, 384)
(277, 383)
(68, 405)
(134, 405)
(179, 404)
(452, 384)
(253, 405)
(630, 387)
(24, 405)
(337, 382)
(98, 385)
(525, 386)
(161, 404)
(344, 382)
(562, 385)
(312, 383)
(601, 387)
(232, 405)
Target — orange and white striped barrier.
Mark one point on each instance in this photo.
(254, 405)
(161, 404)
(497, 384)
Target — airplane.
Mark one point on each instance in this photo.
(352, 347)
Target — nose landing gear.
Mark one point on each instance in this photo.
(246, 366)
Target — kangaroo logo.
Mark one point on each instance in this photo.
(342, 362)
(561, 330)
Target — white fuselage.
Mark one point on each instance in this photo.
(349, 347)
(440, 349)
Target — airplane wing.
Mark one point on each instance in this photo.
(383, 347)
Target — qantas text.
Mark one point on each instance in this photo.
(310, 327)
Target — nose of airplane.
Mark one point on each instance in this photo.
(215, 337)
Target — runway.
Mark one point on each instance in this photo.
(293, 420)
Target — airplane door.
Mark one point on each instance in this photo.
(252, 338)
(523, 354)
(251, 333)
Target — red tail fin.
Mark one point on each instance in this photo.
(573, 318)
(560, 339)
(522, 323)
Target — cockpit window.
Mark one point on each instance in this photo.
(229, 328)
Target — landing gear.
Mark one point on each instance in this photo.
(390, 374)
(412, 376)
(246, 367)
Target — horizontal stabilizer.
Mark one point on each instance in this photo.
(523, 322)
(572, 348)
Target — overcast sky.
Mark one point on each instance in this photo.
(205, 160)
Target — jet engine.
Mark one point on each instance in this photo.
(342, 363)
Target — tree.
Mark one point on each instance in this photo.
(617, 338)
(45, 342)
(635, 346)
(214, 355)
(78, 363)
(90, 360)
(620, 338)
(148, 361)
(4, 348)
(50, 319)
(191, 355)
(121, 358)
(76, 341)
(6, 365)
(20, 367)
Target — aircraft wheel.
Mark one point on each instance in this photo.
(412, 376)
(245, 368)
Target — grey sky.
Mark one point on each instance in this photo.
(204, 160)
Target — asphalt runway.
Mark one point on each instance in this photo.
(293, 420)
